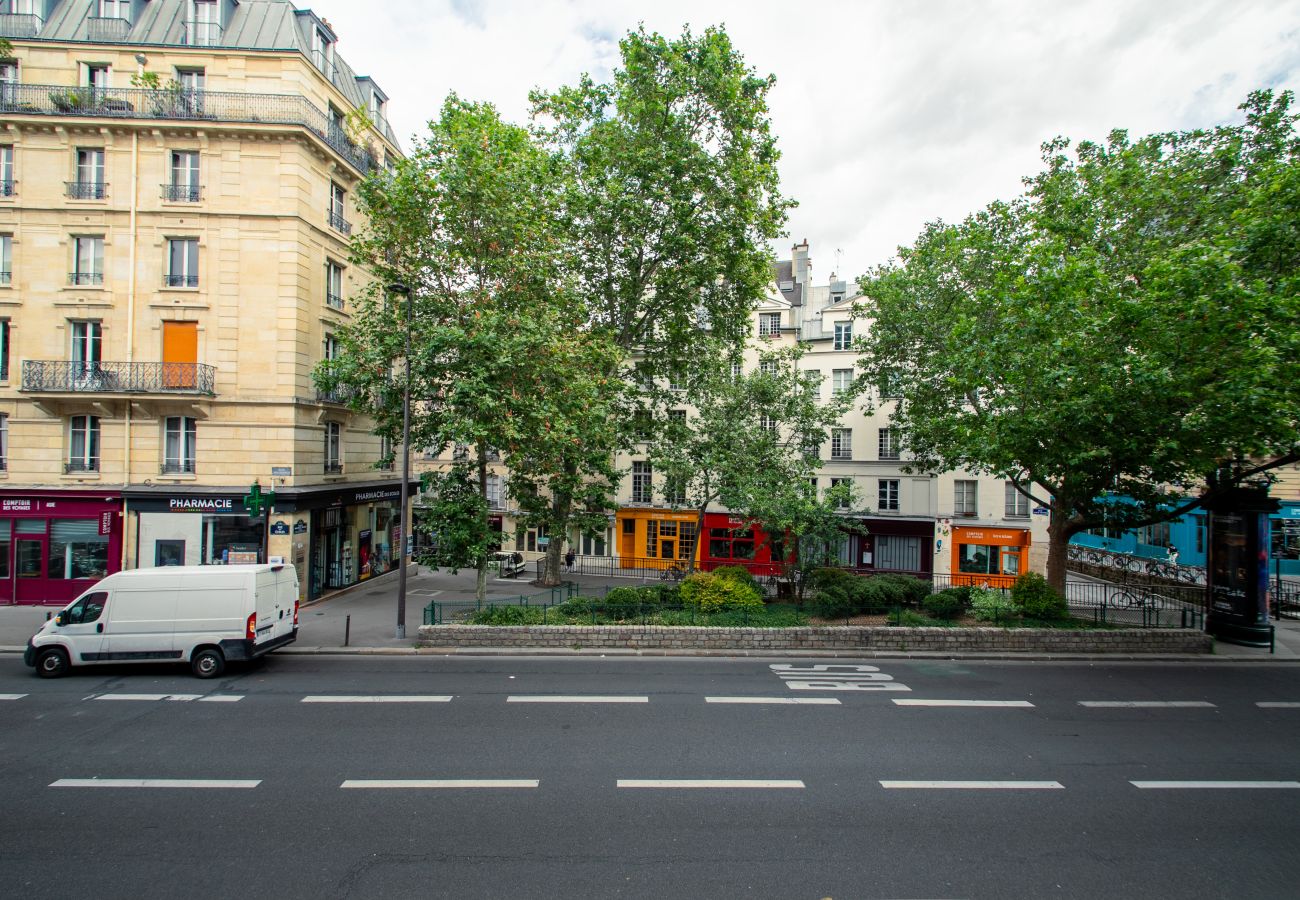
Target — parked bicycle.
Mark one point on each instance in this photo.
(673, 574)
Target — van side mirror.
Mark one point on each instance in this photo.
(62, 618)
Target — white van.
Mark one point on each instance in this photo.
(203, 615)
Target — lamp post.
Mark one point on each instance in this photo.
(403, 524)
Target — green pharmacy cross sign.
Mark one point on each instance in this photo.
(255, 501)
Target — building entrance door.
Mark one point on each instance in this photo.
(29, 569)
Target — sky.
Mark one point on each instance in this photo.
(888, 114)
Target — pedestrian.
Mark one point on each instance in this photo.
(569, 558)
(1173, 555)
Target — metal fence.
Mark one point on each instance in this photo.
(1108, 563)
(54, 375)
(444, 612)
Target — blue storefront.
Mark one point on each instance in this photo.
(1285, 525)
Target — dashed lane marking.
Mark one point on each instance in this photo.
(12, 696)
(1215, 785)
(693, 783)
(153, 783)
(974, 785)
(549, 698)
(1147, 704)
(1264, 704)
(912, 701)
(439, 783)
(181, 697)
(377, 698)
(789, 701)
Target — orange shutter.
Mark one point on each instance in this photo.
(180, 353)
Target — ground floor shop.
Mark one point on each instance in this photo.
(893, 545)
(656, 538)
(734, 541)
(992, 556)
(55, 544)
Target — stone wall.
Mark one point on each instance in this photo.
(814, 639)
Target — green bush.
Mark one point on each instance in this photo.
(834, 604)
(830, 579)
(709, 594)
(507, 615)
(737, 573)
(622, 599)
(1037, 599)
(990, 605)
(878, 593)
(908, 618)
(912, 590)
(947, 604)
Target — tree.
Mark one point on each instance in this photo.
(750, 441)
(1119, 336)
(670, 199)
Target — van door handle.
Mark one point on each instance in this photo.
(100, 627)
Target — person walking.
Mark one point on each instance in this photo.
(569, 559)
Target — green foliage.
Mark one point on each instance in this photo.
(946, 604)
(455, 514)
(908, 618)
(1123, 333)
(834, 604)
(1037, 599)
(507, 615)
(738, 574)
(910, 590)
(709, 593)
(989, 605)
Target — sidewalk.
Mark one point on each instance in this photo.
(363, 618)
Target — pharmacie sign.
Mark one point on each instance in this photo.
(201, 504)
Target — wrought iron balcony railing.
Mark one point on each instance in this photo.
(20, 25)
(73, 466)
(177, 467)
(86, 190)
(102, 28)
(202, 34)
(181, 103)
(85, 278)
(338, 223)
(333, 301)
(63, 376)
(182, 193)
(6, 276)
(333, 468)
(181, 280)
(8, 187)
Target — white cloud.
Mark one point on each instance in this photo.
(889, 114)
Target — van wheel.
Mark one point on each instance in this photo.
(207, 663)
(52, 663)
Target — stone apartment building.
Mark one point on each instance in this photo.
(176, 184)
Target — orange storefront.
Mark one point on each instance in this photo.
(992, 556)
(655, 537)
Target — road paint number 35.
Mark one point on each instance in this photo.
(836, 677)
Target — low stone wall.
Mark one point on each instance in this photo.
(822, 638)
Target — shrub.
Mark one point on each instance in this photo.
(737, 573)
(879, 592)
(1037, 599)
(708, 593)
(908, 618)
(989, 605)
(912, 590)
(830, 579)
(507, 615)
(834, 604)
(620, 600)
(947, 604)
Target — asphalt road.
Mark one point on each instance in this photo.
(144, 782)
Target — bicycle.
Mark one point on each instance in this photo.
(673, 573)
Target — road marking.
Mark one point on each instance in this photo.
(221, 698)
(1264, 704)
(154, 783)
(378, 698)
(974, 785)
(801, 701)
(1215, 785)
(181, 697)
(548, 698)
(1146, 704)
(708, 783)
(12, 696)
(835, 677)
(911, 701)
(452, 783)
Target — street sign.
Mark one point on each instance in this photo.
(281, 471)
(1042, 511)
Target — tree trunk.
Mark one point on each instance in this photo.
(1058, 542)
(699, 536)
(480, 583)
(561, 506)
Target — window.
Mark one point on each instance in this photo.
(768, 423)
(1156, 535)
(843, 501)
(86, 350)
(888, 444)
(190, 96)
(898, 553)
(96, 78)
(182, 262)
(641, 478)
(78, 550)
(594, 545)
(769, 324)
(87, 260)
(888, 388)
(963, 498)
(841, 380)
(320, 51)
(115, 9)
(7, 183)
(205, 29)
(841, 443)
(184, 186)
(333, 285)
(178, 446)
(675, 490)
(735, 370)
(768, 367)
(83, 444)
(8, 82)
(812, 488)
(6, 258)
(385, 453)
(1017, 503)
(724, 543)
(843, 336)
(494, 491)
(1200, 533)
(4, 442)
(90, 175)
(4, 349)
(887, 495)
(814, 378)
(333, 448)
(338, 204)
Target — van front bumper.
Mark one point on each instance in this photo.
(245, 649)
(29, 655)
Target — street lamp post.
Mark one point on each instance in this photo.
(403, 523)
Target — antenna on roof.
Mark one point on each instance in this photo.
(838, 254)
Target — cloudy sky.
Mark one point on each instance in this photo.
(889, 114)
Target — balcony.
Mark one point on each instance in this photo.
(177, 467)
(333, 468)
(101, 28)
(178, 103)
(333, 301)
(56, 376)
(6, 276)
(181, 281)
(73, 466)
(20, 25)
(86, 190)
(338, 223)
(202, 34)
(8, 187)
(182, 193)
(84, 279)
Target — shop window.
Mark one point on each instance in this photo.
(727, 544)
(887, 495)
(594, 545)
(964, 502)
(977, 559)
(652, 538)
(1017, 503)
(898, 552)
(686, 546)
(77, 549)
(228, 540)
(6, 545)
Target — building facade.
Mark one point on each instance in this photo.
(176, 184)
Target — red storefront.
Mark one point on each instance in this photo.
(894, 545)
(732, 541)
(55, 544)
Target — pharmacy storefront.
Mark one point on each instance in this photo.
(54, 545)
(194, 528)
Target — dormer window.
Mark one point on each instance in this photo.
(115, 9)
(204, 30)
(322, 51)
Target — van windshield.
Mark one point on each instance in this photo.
(88, 608)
